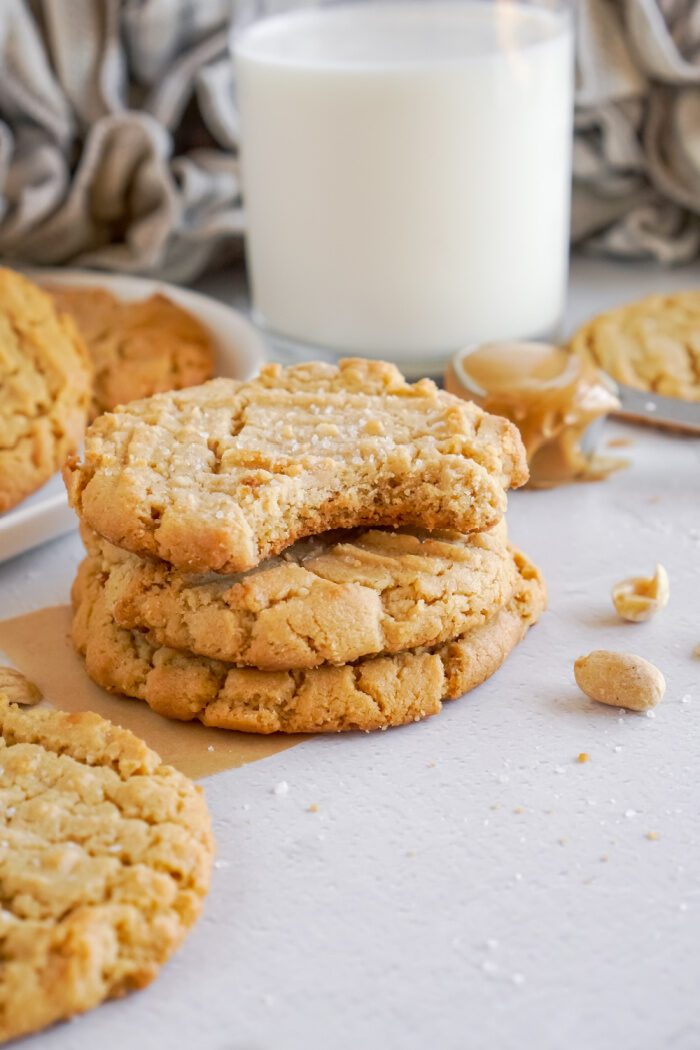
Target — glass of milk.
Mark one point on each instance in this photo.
(406, 171)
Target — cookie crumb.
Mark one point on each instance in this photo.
(583, 756)
(653, 836)
(313, 808)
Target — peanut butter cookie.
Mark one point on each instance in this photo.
(138, 348)
(374, 693)
(44, 388)
(105, 858)
(330, 599)
(220, 477)
(653, 344)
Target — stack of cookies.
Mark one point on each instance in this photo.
(319, 549)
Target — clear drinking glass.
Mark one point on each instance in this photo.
(406, 171)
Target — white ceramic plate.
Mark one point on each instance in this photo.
(239, 349)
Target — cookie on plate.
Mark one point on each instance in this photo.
(138, 348)
(105, 859)
(653, 344)
(221, 476)
(44, 388)
(329, 599)
(373, 693)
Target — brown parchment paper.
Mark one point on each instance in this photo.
(38, 644)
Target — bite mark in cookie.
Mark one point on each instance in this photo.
(222, 476)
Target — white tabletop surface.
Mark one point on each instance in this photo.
(465, 882)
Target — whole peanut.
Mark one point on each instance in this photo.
(620, 679)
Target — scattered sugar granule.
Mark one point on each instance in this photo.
(488, 966)
(686, 698)
(618, 748)
(491, 944)
(10, 811)
(210, 748)
(560, 769)
(650, 714)
(629, 813)
(583, 757)
(221, 863)
(281, 789)
(518, 978)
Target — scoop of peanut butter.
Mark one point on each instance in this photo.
(553, 396)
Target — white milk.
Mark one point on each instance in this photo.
(406, 173)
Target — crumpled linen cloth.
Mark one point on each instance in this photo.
(119, 132)
(636, 153)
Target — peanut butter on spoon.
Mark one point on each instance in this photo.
(553, 397)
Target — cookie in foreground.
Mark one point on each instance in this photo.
(374, 693)
(105, 860)
(332, 598)
(222, 476)
(45, 383)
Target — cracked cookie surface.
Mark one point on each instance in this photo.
(373, 693)
(105, 858)
(44, 388)
(329, 599)
(139, 347)
(220, 477)
(653, 344)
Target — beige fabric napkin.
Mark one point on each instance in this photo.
(118, 131)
